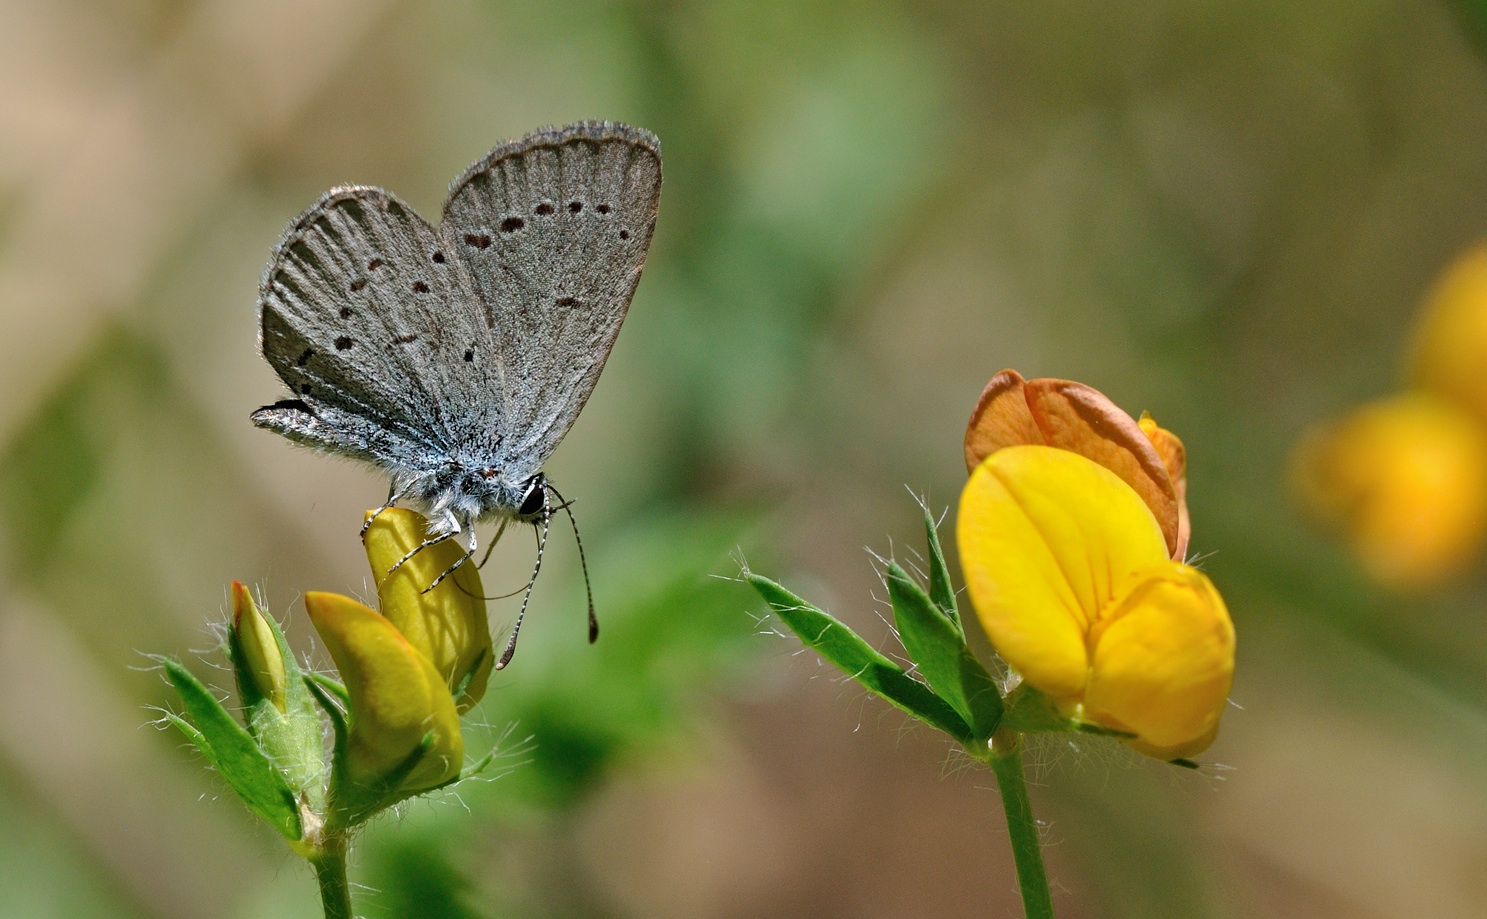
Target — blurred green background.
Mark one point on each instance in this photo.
(1225, 213)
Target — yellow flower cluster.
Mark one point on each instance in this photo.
(1405, 478)
(1072, 531)
(409, 671)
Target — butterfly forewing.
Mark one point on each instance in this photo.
(370, 318)
(554, 230)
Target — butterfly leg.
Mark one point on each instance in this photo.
(393, 495)
(448, 528)
(457, 562)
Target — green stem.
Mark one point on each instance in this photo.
(329, 861)
(1004, 755)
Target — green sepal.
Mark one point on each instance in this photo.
(352, 803)
(1030, 711)
(939, 648)
(940, 589)
(332, 687)
(839, 645)
(229, 747)
(478, 766)
(291, 738)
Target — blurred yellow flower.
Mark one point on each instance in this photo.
(1405, 478)
(1078, 418)
(1070, 575)
(1450, 347)
(403, 733)
(447, 624)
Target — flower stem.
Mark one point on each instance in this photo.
(1005, 759)
(329, 861)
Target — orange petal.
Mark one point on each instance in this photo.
(1001, 419)
(1175, 457)
(1081, 419)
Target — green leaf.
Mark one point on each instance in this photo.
(940, 589)
(939, 648)
(232, 750)
(831, 639)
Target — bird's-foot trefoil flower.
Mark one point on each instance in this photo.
(1069, 574)
(1072, 531)
(1405, 480)
(406, 673)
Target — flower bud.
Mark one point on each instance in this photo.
(257, 649)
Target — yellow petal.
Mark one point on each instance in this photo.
(1450, 347)
(447, 624)
(396, 697)
(1046, 538)
(1405, 478)
(263, 662)
(1175, 457)
(1163, 662)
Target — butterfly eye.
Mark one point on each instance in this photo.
(535, 501)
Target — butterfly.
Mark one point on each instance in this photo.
(454, 358)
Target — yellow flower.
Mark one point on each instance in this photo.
(1450, 347)
(447, 624)
(1071, 577)
(1406, 479)
(403, 730)
(411, 669)
(1079, 418)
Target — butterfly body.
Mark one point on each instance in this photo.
(456, 357)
